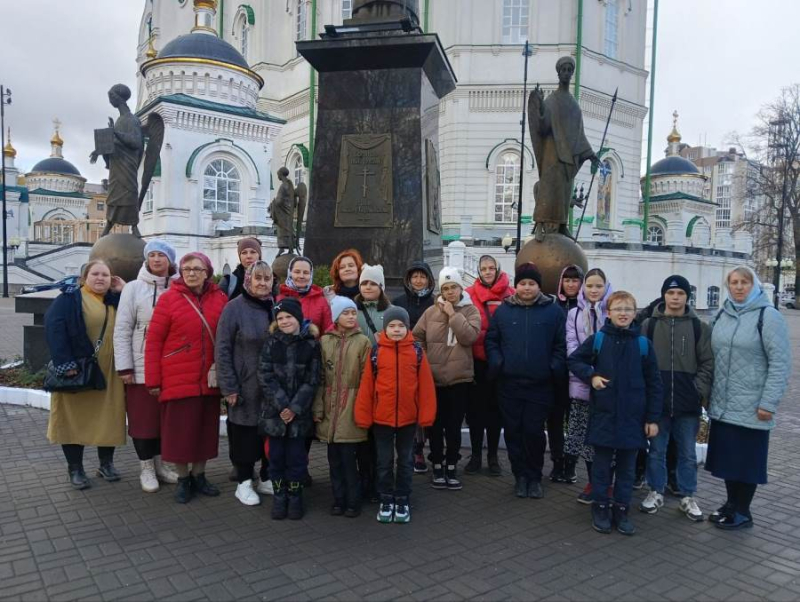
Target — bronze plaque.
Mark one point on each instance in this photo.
(364, 194)
(433, 188)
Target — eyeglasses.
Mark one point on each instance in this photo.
(192, 270)
(623, 310)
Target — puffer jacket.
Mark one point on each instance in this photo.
(749, 374)
(633, 396)
(487, 299)
(315, 307)
(580, 326)
(375, 314)
(178, 350)
(448, 341)
(343, 358)
(526, 343)
(400, 390)
(413, 303)
(289, 372)
(687, 366)
(236, 277)
(241, 333)
(136, 305)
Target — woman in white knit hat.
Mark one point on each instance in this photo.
(371, 300)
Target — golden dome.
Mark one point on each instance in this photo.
(674, 135)
(56, 139)
(209, 4)
(8, 150)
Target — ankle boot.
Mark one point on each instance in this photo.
(295, 507)
(77, 477)
(474, 464)
(622, 520)
(107, 472)
(557, 474)
(570, 476)
(601, 517)
(280, 500)
(201, 485)
(183, 490)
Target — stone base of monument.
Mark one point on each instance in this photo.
(124, 253)
(551, 256)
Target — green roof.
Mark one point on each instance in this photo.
(679, 196)
(70, 195)
(198, 103)
(23, 192)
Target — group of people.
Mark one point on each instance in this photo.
(583, 372)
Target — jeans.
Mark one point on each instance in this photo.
(389, 440)
(345, 482)
(451, 403)
(523, 426)
(622, 474)
(288, 459)
(684, 432)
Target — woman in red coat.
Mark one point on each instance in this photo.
(483, 413)
(179, 354)
(299, 285)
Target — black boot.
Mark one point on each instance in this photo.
(728, 509)
(280, 500)
(570, 476)
(601, 518)
(521, 487)
(535, 490)
(474, 464)
(295, 510)
(622, 520)
(107, 472)
(557, 474)
(183, 490)
(495, 470)
(201, 485)
(78, 478)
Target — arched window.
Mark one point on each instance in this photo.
(244, 34)
(506, 188)
(298, 170)
(713, 297)
(515, 21)
(655, 235)
(221, 187)
(605, 195)
(612, 29)
(347, 9)
(300, 21)
(147, 206)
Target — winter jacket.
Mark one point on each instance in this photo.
(399, 391)
(375, 314)
(413, 303)
(178, 351)
(136, 305)
(289, 373)
(687, 366)
(65, 328)
(750, 371)
(315, 307)
(343, 360)
(633, 395)
(241, 332)
(526, 343)
(564, 302)
(448, 341)
(236, 279)
(580, 326)
(487, 299)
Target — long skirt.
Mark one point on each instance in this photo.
(144, 413)
(190, 429)
(737, 453)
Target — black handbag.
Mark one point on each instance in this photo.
(89, 376)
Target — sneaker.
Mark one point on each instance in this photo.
(386, 512)
(557, 474)
(420, 466)
(148, 477)
(402, 512)
(495, 470)
(451, 480)
(337, 509)
(727, 509)
(246, 494)
(164, 472)
(438, 481)
(264, 487)
(638, 481)
(585, 496)
(352, 512)
(622, 520)
(601, 518)
(652, 503)
(690, 508)
(570, 476)
(474, 464)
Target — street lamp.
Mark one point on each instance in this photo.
(5, 99)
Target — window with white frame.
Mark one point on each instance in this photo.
(244, 34)
(506, 187)
(692, 295)
(655, 235)
(147, 205)
(299, 170)
(723, 206)
(725, 167)
(301, 18)
(713, 297)
(347, 9)
(515, 21)
(612, 29)
(221, 187)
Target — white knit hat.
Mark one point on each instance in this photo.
(373, 273)
(450, 275)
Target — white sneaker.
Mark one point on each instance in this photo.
(246, 494)
(164, 472)
(690, 508)
(148, 477)
(264, 487)
(652, 503)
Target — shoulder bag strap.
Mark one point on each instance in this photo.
(368, 319)
(202, 317)
(99, 342)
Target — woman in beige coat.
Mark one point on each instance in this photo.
(447, 331)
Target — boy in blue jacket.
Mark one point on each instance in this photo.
(626, 403)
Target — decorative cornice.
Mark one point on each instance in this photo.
(199, 61)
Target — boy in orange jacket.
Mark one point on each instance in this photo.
(396, 394)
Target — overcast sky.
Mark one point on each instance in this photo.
(718, 63)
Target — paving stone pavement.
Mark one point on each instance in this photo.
(12, 323)
(114, 542)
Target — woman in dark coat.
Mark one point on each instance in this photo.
(249, 251)
(419, 285)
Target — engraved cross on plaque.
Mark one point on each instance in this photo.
(366, 173)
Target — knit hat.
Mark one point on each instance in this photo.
(160, 246)
(248, 243)
(676, 281)
(527, 270)
(373, 273)
(395, 312)
(450, 275)
(202, 257)
(339, 304)
(291, 306)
